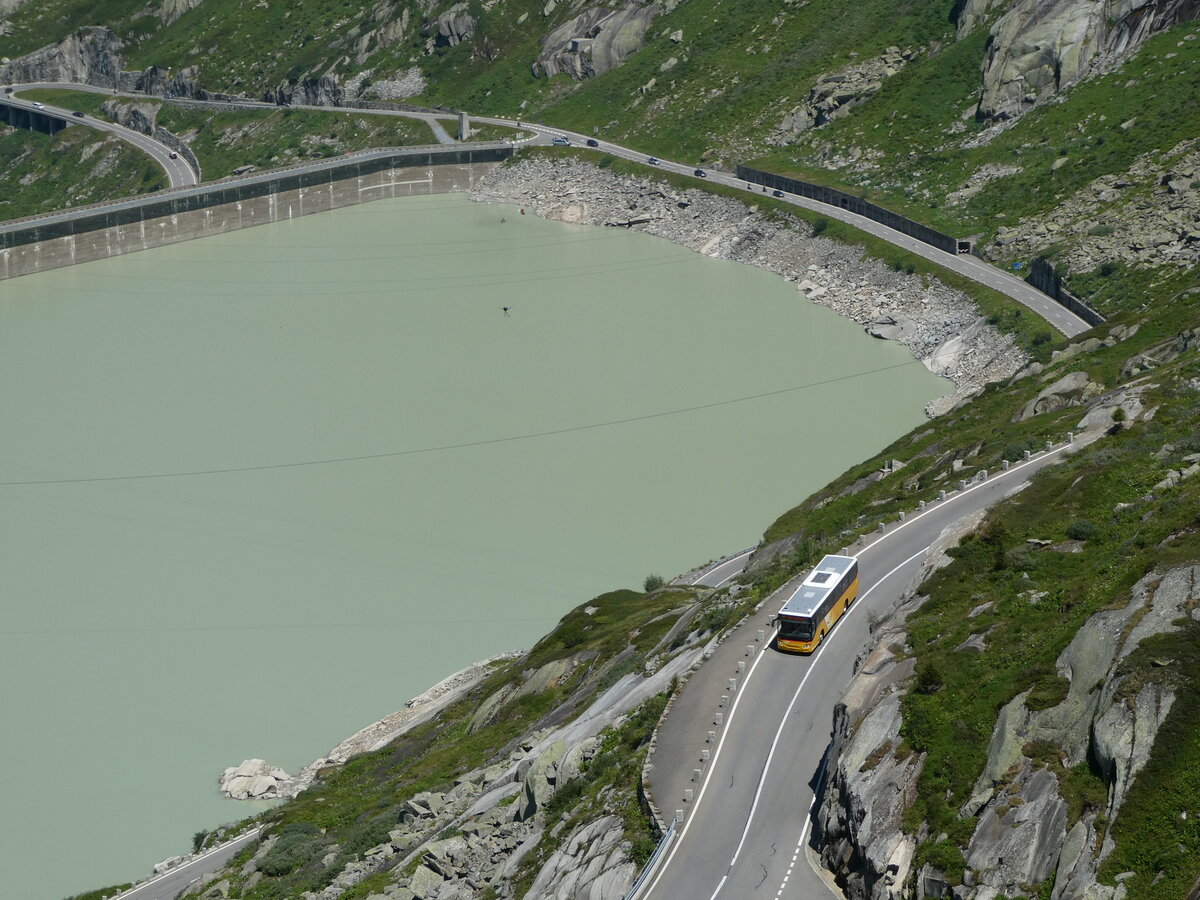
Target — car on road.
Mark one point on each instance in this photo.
(77, 114)
(776, 193)
(561, 142)
(653, 160)
(37, 105)
(173, 155)
(592, 142)
(700, 173)
(8, 90)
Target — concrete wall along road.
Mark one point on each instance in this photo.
(103, 230)
(858, 205)
(1043, 277)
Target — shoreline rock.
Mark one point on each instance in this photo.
(256, 779)
(942, 327)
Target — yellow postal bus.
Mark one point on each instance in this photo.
(817, 604)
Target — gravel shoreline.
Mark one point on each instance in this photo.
(941, 326)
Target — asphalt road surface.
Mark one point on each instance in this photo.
(173, 882)
(179, 173)
(972, 267)
(969, 266)
(743, 834)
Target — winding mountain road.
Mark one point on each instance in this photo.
(1061, 318)
(967, 265)
(179, 173)
(745, 830)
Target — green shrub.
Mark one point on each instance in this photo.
(298, 843)
(653, 583)
(929, 678)
(1082, 530)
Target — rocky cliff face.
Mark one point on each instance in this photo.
(834, 95)
(452, 843)
(1040, 47)
(596, 40)
(90, 56)
(1110, 715)
(871, 777)
(453, 26)
(171, 10)
(1025, 835)
(322, 91)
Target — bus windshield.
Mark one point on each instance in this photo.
(795, 629)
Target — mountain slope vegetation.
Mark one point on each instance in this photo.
(1086, 152)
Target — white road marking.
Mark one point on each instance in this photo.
(964, 493)
(725, 563)
(782, 722)
(725, 729)
(742, 687)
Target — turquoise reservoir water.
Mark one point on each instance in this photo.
(260, 489)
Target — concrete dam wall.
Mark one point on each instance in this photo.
(97, 232)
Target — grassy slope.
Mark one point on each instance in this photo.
(224, 140)
(1026, 633)
(1159, 88)
(355, 806)
(75, 167)
(726, 97)
(952, 719)
(721, 93)
(48, 21)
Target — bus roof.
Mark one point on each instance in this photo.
(824, 577)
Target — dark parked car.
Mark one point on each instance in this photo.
(8, 90)
(700, 173)
(776, 193)
(77, 114)
(592, 142)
